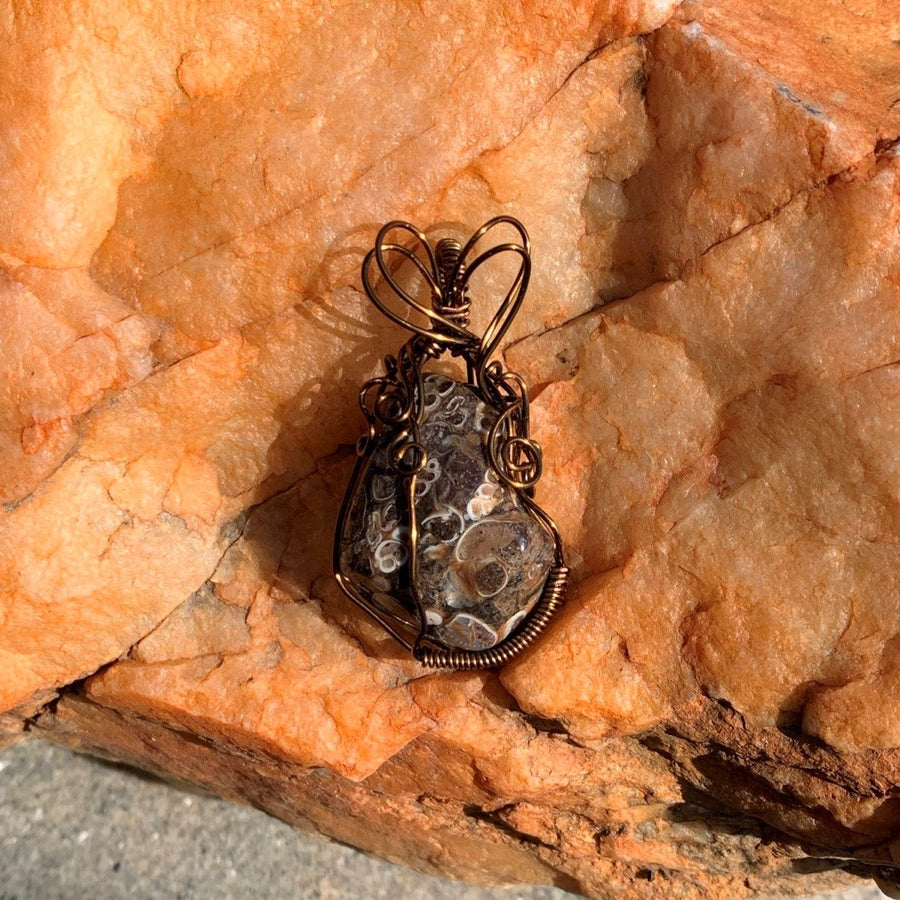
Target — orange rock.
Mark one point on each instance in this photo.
(188, 195)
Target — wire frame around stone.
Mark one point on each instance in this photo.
(458, 586)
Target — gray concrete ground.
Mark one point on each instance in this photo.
(72, 828)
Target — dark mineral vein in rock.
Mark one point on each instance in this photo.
(482, 555)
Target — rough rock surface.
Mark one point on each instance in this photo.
(712, 334)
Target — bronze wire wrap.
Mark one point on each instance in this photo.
(392, 406)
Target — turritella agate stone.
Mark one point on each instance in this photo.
(482, 557)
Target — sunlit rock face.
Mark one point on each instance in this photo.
(711, 337)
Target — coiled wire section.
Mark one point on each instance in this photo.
(453, 302)
(552, 598)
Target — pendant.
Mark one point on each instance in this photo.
(439, 537)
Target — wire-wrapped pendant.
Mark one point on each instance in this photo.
(439, 537)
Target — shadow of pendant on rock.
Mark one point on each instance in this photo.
(439, 537)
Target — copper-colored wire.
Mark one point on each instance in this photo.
(393, 407)
(552, 598)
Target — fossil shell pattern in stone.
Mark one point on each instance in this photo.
(482, 556)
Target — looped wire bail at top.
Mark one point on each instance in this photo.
(447, 271)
